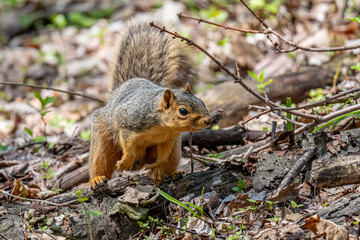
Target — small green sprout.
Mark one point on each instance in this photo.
(240, 186)
(260, 79)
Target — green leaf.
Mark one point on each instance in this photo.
(252, 200)
(224, 41)
(257, 4)
(268, 82)
(356, 67)
(241, 184)
(253, 75)
(38, 96)
(82, 199)
(29, 131)
(79, 19)
(94, 213)
(39, 139)
(261, 78)
(197, 207)
(45, 112)
(85, 135)
(236, 189)
(60, 59)
(217, 156)
(78, 194)
(59, 20)
(355, 19)
(289, 125)
(174, 200)
(215, 127)
(48, 100)
(3, 148)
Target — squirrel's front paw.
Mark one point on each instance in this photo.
(124, 165)
(97, 182)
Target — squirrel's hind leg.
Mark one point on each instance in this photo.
(103, 154)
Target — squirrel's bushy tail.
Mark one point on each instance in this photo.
(145, 52)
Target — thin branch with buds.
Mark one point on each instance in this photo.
(275, 108)
(269, 31)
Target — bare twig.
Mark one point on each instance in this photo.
(21, 147)
(297, 46)
(269, 31)
(296, 168)
(248, 153)
(191, 153)
(3, 236)
(237, 70)
(38, 200)
(289, 120)
(256, 116)
(221, 25)
(55, 89)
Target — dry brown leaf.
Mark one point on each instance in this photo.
(326, 228)
(133, 195)
(290, 192)
(294, 217)
(199, 226)
(291, 231)
(10, 172)
(22, 190)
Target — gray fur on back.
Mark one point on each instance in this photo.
(131, 101)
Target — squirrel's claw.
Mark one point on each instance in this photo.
(97, 182)
(177, 175)
(157, 176)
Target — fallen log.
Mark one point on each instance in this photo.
(336, 171)
(212, 138)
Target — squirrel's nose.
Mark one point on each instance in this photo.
(208, 120)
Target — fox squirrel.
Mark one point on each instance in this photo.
(144, 115)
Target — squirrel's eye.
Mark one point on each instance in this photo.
(183, 111)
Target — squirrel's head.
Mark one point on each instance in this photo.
(183, 111)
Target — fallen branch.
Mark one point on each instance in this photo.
(54, 89)
(211, 138)
(290, 176)
(269, 31)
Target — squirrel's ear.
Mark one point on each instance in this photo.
(187, 88)
(168, 98)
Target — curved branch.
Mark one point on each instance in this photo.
(55, 89)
